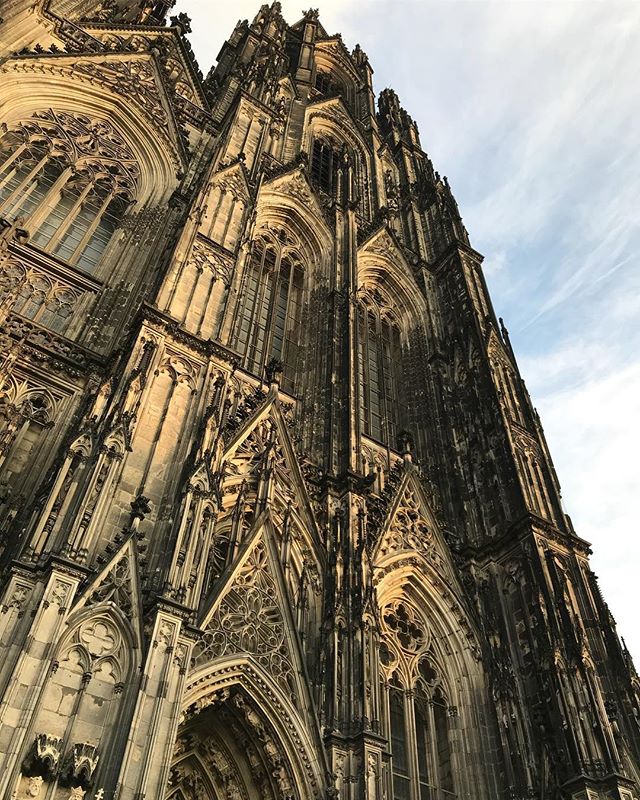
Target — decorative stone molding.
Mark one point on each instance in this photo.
(79, 767)
(43, 758)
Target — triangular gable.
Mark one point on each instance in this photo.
(382, 242)
(295, 184)
(118, 583)
(334, 46)
(496, 349)
(381, 261)
(287, 84)
(114, 34)
(411, 529)
(235, 178)
(299, 25)
(270, 411)
(337, 111)
(250, 614)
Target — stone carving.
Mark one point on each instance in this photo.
(296, 186)
(61, 594)
(135, 78)
(99, 637)
(117, 585)
(409, 629)
(43, 759)
(79, 767)
(232, 180)
(409, 531)
(249, 620)
(205, 257)
(84, 142)
(17, 598)
(33, 786)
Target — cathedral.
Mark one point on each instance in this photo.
(278, 518)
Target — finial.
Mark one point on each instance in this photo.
(182, 21)
(12, 231)
(405, 441)
(140, 507)
(274, 370)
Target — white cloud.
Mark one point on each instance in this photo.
(594, 436)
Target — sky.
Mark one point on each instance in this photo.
(531, 108)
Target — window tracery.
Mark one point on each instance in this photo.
(267, 324)
(71, 179)
(323, 162)
(418, 712)
(82, 698)
(27, 412)
(324, 83)
(379, 355)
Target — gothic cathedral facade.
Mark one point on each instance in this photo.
(279, 521)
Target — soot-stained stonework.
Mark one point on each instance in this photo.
(278, 518)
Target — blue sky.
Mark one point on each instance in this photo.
(531, 109)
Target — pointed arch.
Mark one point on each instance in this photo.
(288, 202)
(384, 271)
(242, 457)
(430, 652)
(286, 735)
(290, 244)
(44, 83)
(88, 688)
(226, 205)
(255, 608)
(331, 121)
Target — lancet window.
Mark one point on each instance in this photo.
(418, 715)
(379, 356)
(324, 84)
(69, 179)
(27, 412)
(323, 161)
(267, 324)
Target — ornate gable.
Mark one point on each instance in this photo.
(262, 449)
(497, 351)
(382, 266)
(383, 245)
(173, 55)
(251, 615)
(335, 48)
(336, 111)
(134, 77)
(411, 531)
(234, 179)
(118, 584)
(411, 551)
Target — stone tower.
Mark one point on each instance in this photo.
(279, 521)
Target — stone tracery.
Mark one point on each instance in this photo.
(214, 552)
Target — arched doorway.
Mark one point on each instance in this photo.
(239, 738)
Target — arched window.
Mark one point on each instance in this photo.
(323, 159)
(268, 318)
(418, 719)
(423, 745)
(324, 84)
(443, 748)
(399, 750)
(379, 356)
(70, 180)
